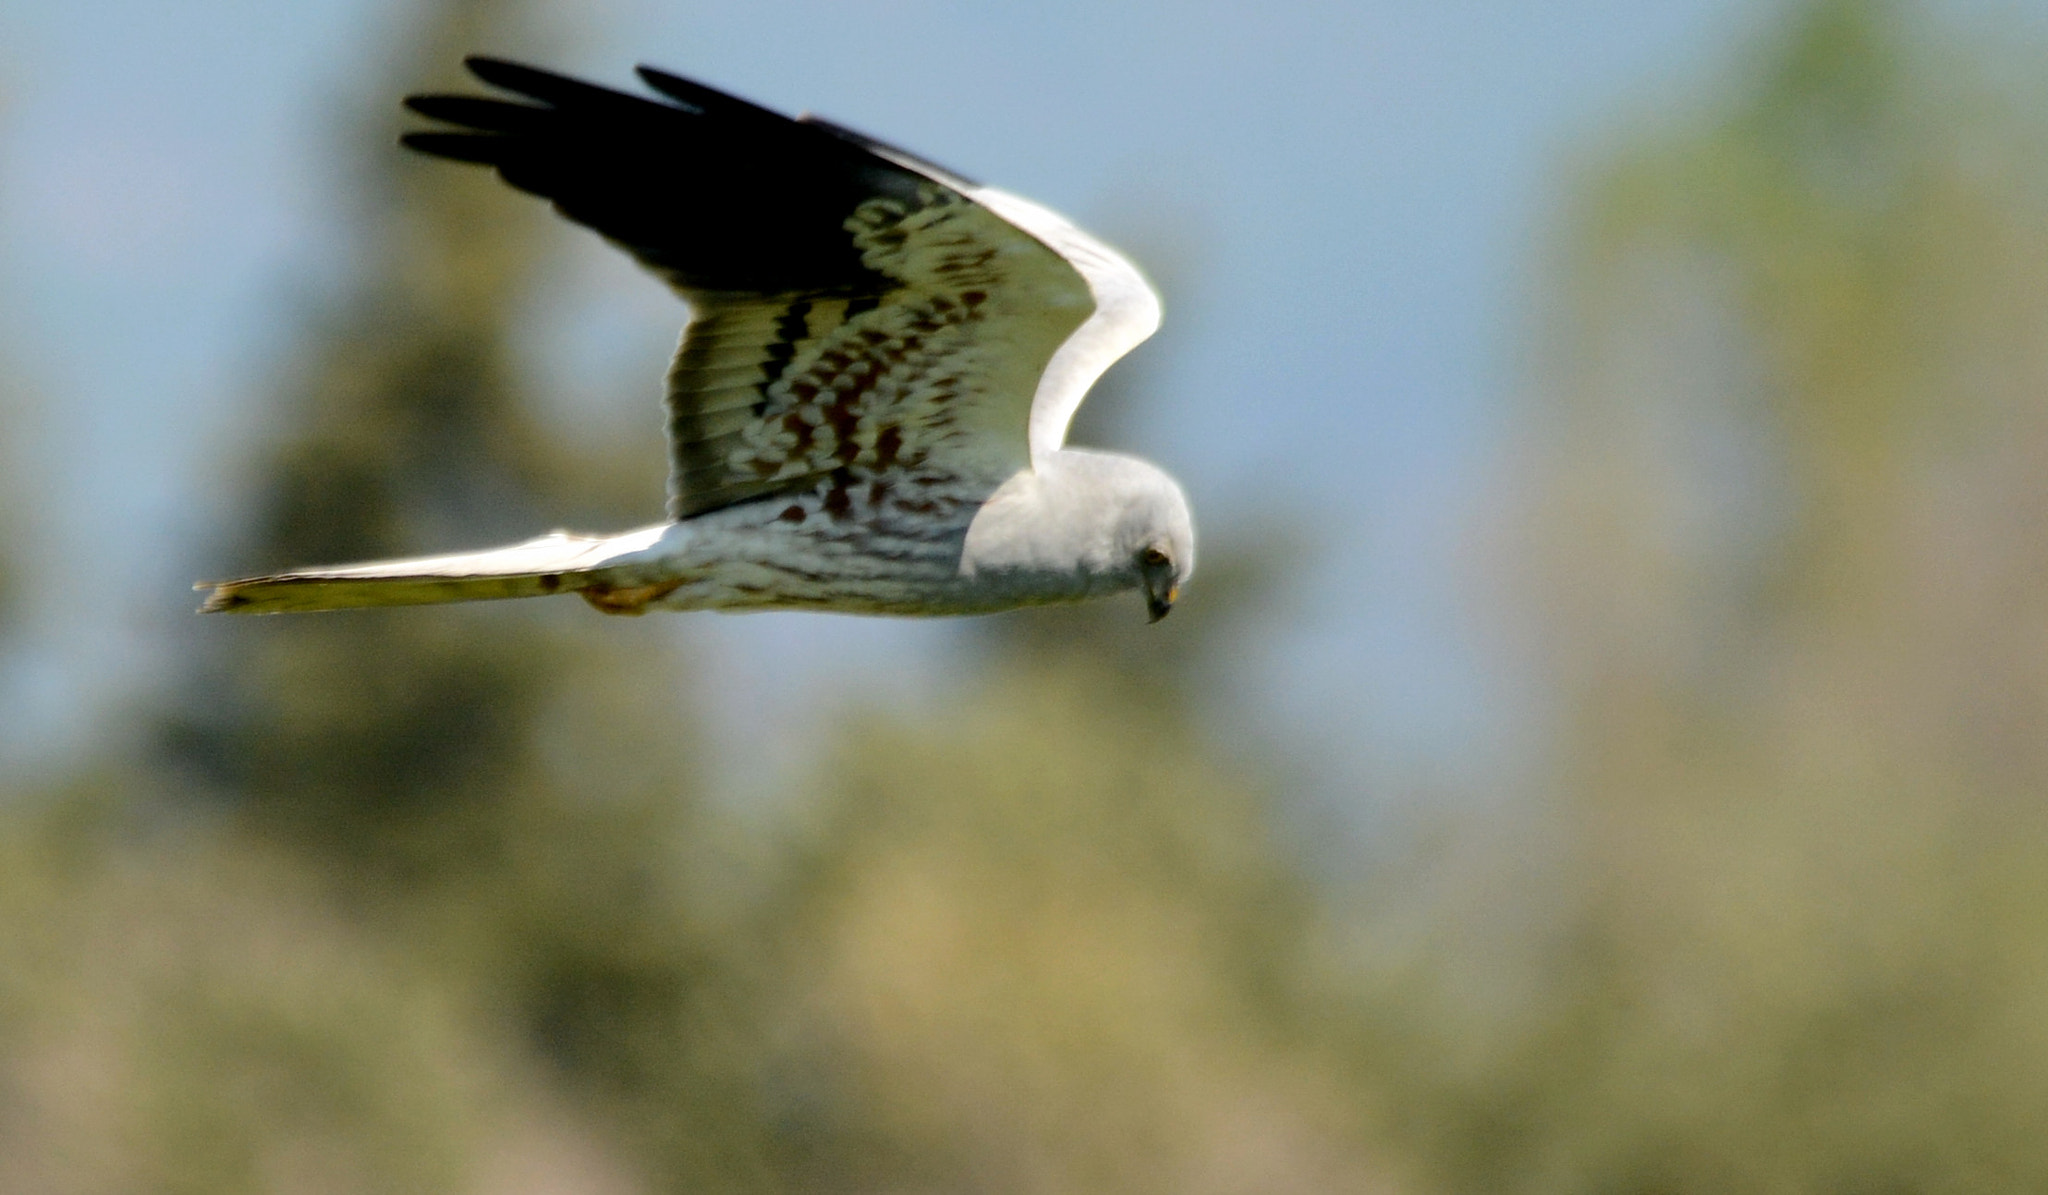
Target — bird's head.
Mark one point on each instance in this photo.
(1157, 537)
(1086, 524)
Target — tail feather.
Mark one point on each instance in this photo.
(555, 563)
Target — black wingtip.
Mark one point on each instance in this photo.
(485, 149)
(491, 70)
(495, 71)
(899, 155)
(535, 83)
(512, 76)
(702, 99)
(694, 96)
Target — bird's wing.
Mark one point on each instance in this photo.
(856, 313)
(1126, 312)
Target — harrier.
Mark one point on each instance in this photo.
(869, 407)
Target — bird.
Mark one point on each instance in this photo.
(868, 408)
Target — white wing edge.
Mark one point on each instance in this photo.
(1126, 312)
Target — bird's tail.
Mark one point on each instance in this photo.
(555, 563)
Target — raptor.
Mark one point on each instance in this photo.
(869, 406)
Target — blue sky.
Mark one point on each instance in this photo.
(1349, 201)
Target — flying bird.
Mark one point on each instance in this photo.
(869, 406)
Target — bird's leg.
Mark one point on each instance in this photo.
(627, 599)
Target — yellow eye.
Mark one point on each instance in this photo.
(1153, 558)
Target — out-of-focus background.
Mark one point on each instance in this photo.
(1605, 749)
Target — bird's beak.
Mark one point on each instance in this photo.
(1160, 605)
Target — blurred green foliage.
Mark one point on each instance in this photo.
(437, 900)
(1780, 545)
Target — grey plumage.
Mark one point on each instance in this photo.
(868, 409)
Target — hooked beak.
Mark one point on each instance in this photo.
(1158, 604)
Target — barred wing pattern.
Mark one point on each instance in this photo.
(862, 321)
(929, 380)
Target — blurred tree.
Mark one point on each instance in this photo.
(1043, 941)
(510, 792)
(186, 1013)
(1784, 541)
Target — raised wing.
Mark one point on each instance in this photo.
(1126, 313)
(858, 314)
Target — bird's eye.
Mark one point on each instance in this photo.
(1153, 557)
